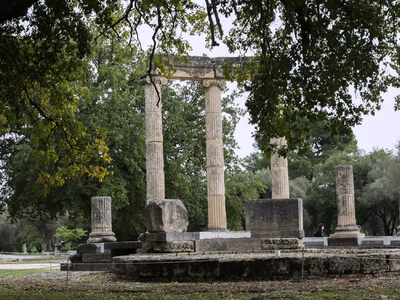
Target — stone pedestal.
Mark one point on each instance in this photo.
(215, 155)
(101, 221)
(275, 218)
(154, 137)
(279, 172)
(347, 226)
(164, 218)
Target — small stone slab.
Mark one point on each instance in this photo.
(371, 243)
(342, 241)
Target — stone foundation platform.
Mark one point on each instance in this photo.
(257, 266)
(212, 241)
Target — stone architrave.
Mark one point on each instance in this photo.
(154, 137)
(165, 215)
(215, 155)
(101, 221)
(347, 226)
(279, 172)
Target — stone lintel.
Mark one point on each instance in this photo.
(203, 67)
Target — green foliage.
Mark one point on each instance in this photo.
(310, 57)
(240, 187)
(39, 83)
(380, 198)
(69, 235)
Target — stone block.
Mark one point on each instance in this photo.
(284, 243)
(275, 218)
(373, 264)
(343, 265)
(123, 245)
(75, 258)
(165, 215)
(86, 248)
(394, 262)
(211, 245)
(96, 257)
(371, 243)
(168, 236)
(343, 241)
(168, 247)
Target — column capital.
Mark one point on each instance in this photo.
(156, 79)
(212, 82)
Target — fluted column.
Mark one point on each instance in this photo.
(154, 137)
(215, 155)
(347, 226)
(101, 221)
(279, 172)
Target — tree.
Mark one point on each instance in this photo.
(240, 187)
(321, 203)
(39, 83)
(67, 235)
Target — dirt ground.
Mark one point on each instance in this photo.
(106, 286)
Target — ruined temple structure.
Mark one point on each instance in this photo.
(159, 238)
(209, 72)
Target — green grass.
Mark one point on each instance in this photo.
(4, 273)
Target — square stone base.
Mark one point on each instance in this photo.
(275, 218)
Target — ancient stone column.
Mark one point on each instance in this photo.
(154, 137)
(347, 226)
(215, 155)
(279, 172)
(101, 221)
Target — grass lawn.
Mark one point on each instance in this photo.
(53, 285)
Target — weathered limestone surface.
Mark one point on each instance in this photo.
(256, 267)
(168, 247)
(101, 221)
(154, 137)
(279, 172)
(215, 156)
(278, 243)
(347, 227)
(202, 67)
(275, 218)
(165, 215)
